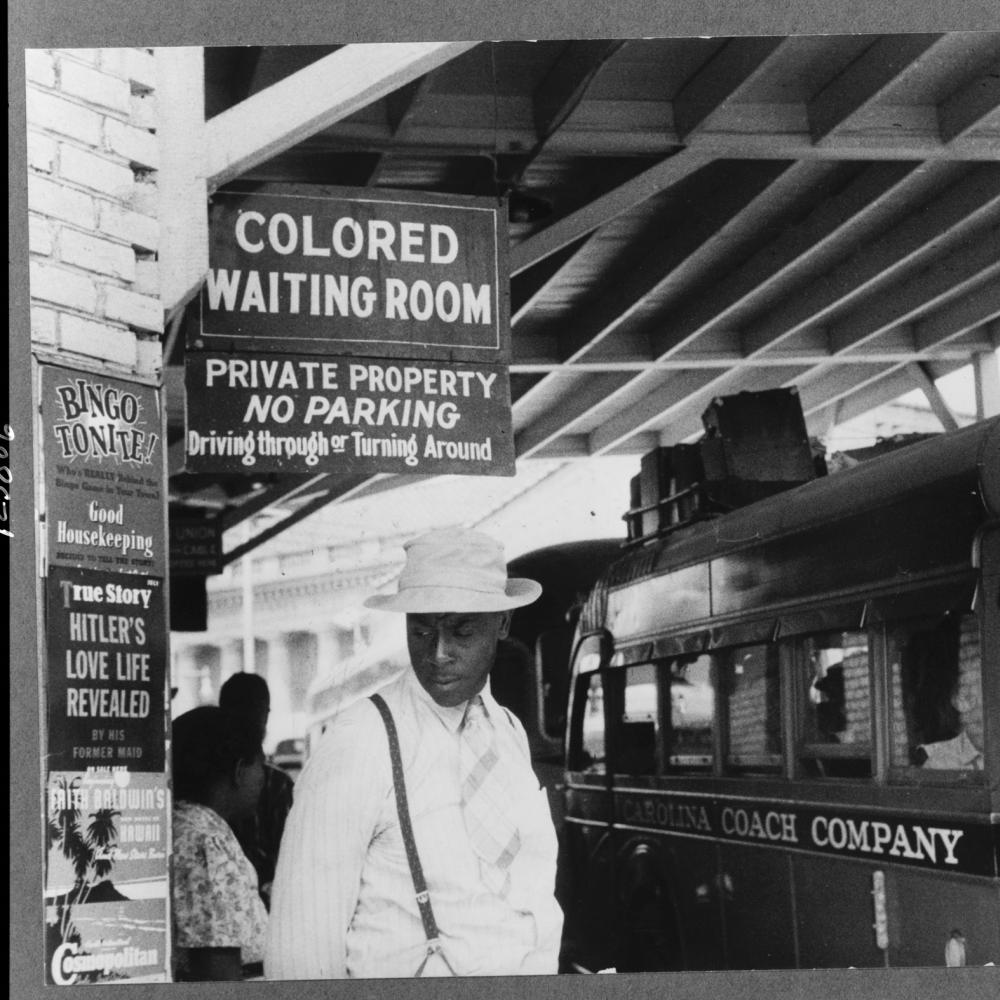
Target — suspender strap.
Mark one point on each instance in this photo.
(406, 828)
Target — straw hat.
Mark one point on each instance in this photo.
(455, 570)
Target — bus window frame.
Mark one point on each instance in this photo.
(615, 684)
(763, 765)
(575, 748)
(900, 774)
(590, 654)
(688, 765)
(657, 720)
(869, 617)
(794, 661)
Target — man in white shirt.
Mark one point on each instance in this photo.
(344, 902)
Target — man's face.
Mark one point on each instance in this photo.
(452, 653)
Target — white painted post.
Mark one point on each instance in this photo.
(183, 194)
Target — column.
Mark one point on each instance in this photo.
(230, 657)
(185, 676)
(281, 724)
(328, 651)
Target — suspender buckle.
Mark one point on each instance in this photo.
(434, 948)
(423, 897)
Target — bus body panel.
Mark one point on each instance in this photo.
(930, 910)
(668, 907)
(761, 931)
(835, 914)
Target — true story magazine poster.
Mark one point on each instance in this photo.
(36, 24)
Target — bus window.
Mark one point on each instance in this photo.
(639, 732)
(836, 726)
(692, 713)
(587, 742)
(753, 707)
(937, 700)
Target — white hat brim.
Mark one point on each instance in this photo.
(444, 600)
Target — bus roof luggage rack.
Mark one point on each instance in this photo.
(755, 445)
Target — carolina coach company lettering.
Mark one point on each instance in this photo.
(894, 840)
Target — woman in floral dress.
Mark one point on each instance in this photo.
(219, 921)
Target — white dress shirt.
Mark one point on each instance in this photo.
(343, 902)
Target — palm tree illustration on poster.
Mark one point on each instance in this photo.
(88, 850)
(105, 899)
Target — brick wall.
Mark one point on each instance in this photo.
(93, 229)
(754, 705)
(857, 691)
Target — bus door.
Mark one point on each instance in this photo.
(700, 811)
(830, 699)
(669, 891)
(755, 877)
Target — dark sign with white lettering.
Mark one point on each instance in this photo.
(195, 546)
(258, 413)
(946, 844)
(106, 671)
(102, 447)
(352, 331)
(379, 274)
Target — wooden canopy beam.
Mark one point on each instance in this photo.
(602, 210)
(862, 83)
(975, 104)
(922, 379)
(733, 68)
(312, 99)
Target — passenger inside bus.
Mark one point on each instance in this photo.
(940, 677)
(826, 694)
(837, 707)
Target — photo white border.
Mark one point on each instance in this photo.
(115, 23)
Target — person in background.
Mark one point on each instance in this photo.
(260, 834)
(219, 921)
(348, 894)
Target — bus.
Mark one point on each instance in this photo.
(783, 737)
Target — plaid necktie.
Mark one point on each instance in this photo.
(485, 801)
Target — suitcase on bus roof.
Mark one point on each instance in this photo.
(757, 437)
(665, 472)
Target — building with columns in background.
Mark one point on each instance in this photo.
(302, 611)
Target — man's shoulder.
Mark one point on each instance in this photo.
(356, 728)
(502, 715)
(352, 751)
